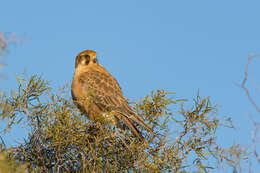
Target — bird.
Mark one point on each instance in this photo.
(98, 95)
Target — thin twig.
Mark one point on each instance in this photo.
(250, 57)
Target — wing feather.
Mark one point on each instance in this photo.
(107, 95)
(105, 91)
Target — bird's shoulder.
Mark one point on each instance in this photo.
(103, 87)
(100, 79)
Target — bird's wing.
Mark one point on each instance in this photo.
(107, 95)
(103, 89)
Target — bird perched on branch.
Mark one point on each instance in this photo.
(98, 95)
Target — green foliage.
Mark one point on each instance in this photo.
(63, 140)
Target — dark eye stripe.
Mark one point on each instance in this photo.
(87, 58)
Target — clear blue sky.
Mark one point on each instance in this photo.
(181, 46)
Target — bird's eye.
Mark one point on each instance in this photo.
(94, 60)
(87, 59)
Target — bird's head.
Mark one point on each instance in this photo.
(85, 58)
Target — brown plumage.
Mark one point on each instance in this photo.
(98, 95)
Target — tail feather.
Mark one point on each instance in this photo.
(130, 125)
(137, 118)
(128, 120)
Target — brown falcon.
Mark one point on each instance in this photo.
(98, 95)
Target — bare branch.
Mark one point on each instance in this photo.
(4, 39)
(250, 57)
(255, 140)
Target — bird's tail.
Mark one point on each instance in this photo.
(139, 120)
(130, 118)
(122, 117)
